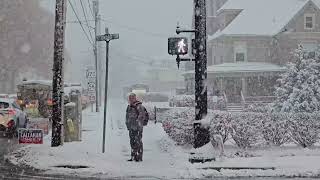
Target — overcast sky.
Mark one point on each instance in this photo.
(143, 25)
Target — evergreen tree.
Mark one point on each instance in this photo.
(298, 89)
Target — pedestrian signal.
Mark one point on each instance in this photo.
(178, 46)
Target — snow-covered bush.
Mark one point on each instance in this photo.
(220, 124)
(189, 101)
(275, 128)
(178, 124)
(246, 128)
(304, 128)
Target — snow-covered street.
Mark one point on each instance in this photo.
(162, 158)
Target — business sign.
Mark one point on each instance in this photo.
(91, 74)
(30, 136)
(91, 86)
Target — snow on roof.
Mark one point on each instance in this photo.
(261, 17)
(235, 4)
(317, 2)
(43, 82)
(243, 67)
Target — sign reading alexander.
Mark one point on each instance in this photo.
(30, 136)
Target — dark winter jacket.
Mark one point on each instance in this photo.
(135, 116)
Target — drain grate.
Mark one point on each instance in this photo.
(72, 166)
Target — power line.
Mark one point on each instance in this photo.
(77, 22)
(136, 29)
(85, 17)
(74, 11)
(91, 9)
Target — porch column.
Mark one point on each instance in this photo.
(244, 86)
(221, 85)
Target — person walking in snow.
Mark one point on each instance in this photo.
(136, 117)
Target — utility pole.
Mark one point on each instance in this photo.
(202, 136)
(58, 80)
(96, 17)
(107, 37)
(100, 66)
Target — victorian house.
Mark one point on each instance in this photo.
(251, 41)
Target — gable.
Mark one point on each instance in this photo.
(297, 24)
(263, 17)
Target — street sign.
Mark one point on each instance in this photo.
(92, 98)
(107, 37)
(90, 74)
(91, 86)
(30, 136)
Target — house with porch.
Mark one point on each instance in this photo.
(252, 41)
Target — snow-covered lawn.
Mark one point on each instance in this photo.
(162, 158)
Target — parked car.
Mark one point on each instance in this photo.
(11, 117)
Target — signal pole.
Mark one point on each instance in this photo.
(202, 136)
(96, 17)
(199, 49)
(58, 80)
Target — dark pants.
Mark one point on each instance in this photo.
(136, 144)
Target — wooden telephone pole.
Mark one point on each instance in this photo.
(58, 80)
(201, 134)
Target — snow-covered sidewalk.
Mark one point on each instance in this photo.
(162, 158)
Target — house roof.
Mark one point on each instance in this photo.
(261, 17)
(243, 67)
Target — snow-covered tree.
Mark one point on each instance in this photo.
(298, 89)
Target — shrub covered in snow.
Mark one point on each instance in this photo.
(304, 128)
(275, 128)
(246, 128)
(220, 124)
(214, 102)
(178, 124)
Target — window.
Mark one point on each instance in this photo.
(240, 52)
(309, 21)
(309, 49)
(239, 57)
